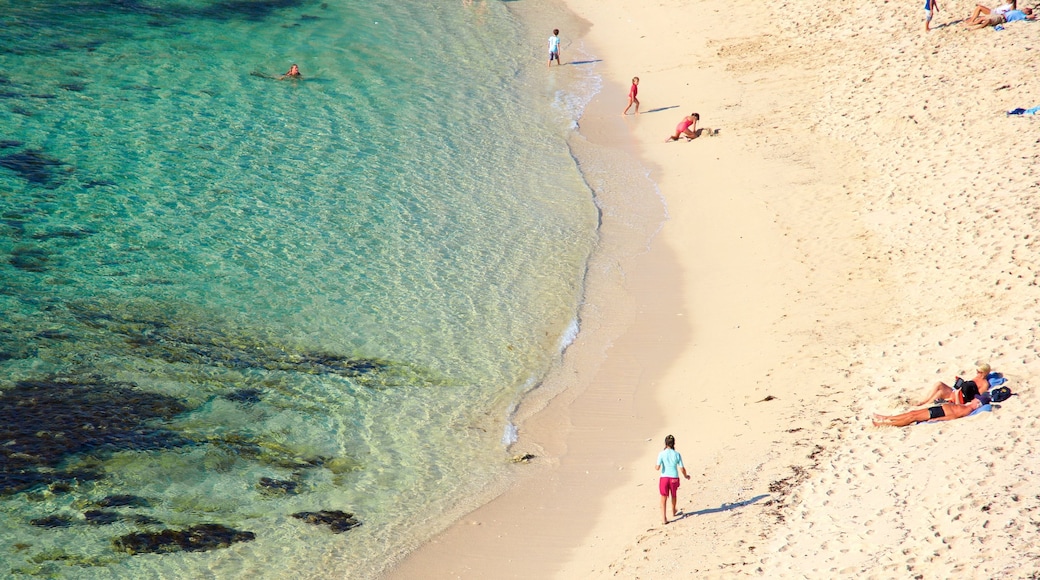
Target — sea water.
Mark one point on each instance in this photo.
(230, 298)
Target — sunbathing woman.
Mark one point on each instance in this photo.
(967, 391)
(943, 412)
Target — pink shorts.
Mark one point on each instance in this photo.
(669, 486)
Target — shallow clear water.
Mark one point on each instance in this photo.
(338, 283)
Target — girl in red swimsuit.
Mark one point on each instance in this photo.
(686, 128)
(632, 100)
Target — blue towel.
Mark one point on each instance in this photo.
(986, 407)
(995, 379)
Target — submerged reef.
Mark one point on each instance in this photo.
(198, 538)
(35, 166)
(177, 337)
(45, 422)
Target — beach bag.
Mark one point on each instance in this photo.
(1000, 394)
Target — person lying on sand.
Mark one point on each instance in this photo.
(943, 412)
(981, 10)
(995, 19)
(965, 393)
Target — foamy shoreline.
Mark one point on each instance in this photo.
(863, 227)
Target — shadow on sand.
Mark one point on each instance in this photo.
(728, 506)
(659, 109)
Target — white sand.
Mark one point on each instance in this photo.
(865, 224)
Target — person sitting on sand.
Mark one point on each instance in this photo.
(686, 128)
(943, 412)
(995, 19)
(963, 394)
(294, 73)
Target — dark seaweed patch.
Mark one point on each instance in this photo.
(29, 259)
(337, 521)
(9, 143)
(255, 10)
(271, 486)
(44, 422)
(244, 396)
(34, 166)
(124, 500)
(73, 87)
(52, 522)
(198, 538)
(70, 234)
(52, 334)
(101, 518)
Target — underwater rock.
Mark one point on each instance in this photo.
(244, 396)
(29, 259)
(53, 334)
(101, 518)
(337, 521)
(35, 167)
(200, 538)
(145, 520)
(74, 87)
(44, 422)
(70, 234)
(524, 458)
(272, 486)
(52, 522)
(124, 501)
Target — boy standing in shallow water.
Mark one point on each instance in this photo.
(669, 462)
(554, 47)
(632, 100)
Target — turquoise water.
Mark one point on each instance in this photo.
(230, 298)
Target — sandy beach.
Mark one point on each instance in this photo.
(864, 225)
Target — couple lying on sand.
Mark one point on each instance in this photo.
(955, 402)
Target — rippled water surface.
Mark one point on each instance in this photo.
(230, 299)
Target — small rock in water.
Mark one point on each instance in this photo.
(337, 520)
(277, 486)
(525, 458)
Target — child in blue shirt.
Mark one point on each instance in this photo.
(669, 463)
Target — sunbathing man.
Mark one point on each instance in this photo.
(981, 10)
(943, 412)
(967, 391)
(995, 19)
